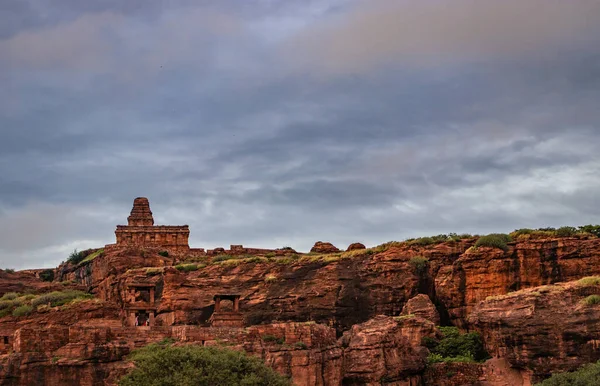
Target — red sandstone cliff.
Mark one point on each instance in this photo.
(536, 331)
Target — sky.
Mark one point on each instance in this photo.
(274, 123)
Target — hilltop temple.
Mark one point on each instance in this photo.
(141, 230)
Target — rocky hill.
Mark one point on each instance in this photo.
(361, 317)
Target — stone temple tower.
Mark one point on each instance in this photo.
(140, 214)
(140, 231)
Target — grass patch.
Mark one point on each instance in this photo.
(59, 298)
(92, 256)
(589, 281)
(153, 271)
(591, 300)
(220, 258)
(403, 317)
(270, 278)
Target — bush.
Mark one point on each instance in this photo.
(22, 310)
(591, 229)
(9, 296)
(166, 365)
(494, 240)
(75, 257)
(423, 241)
(59, 298)
(419, 263)
(9, 270)
(591, 300)
(566, 231)
(272, 338)
(587, 375)
(47, 275)
(186, 267)
(300, 345)
(455, 346)
(164, 253)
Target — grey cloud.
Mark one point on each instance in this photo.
(377, 33)
(230, 139)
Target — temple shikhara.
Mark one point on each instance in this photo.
(141, 231)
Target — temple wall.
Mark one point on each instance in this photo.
(171, 238)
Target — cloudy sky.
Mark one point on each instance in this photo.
(271, 123)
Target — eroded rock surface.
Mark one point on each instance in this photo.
(422, 307)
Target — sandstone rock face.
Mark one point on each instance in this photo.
(536, 331)
(422, 306)
(485, 272)
(355, 246)
(385, 349)
(324, 247)
(542, 330)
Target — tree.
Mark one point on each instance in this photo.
(587, 375)
(192, 365)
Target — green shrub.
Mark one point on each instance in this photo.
(186, 267)
(272, 338)
(494, 240)
(423, 241)
(591, 300)
(47, 275)
(75, 257)
(566, 231)
(456, 346)
(5, 312)
(9, 270)
(164, 253)
(591, 229)
(587, 375)
(23, 310)
(270, 254)
(10, 296)
(300, 345)
(219, 258)
(59, 298)
(166, 365)
(419, 263)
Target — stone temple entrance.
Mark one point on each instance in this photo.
(223, 317)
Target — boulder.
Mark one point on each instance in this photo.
(324, 247)
(355, 246)
(422, 306)
(385, 348)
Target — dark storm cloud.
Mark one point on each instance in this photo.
(360, 135)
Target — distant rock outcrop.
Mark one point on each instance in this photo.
(355, 246)
(324, 247)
